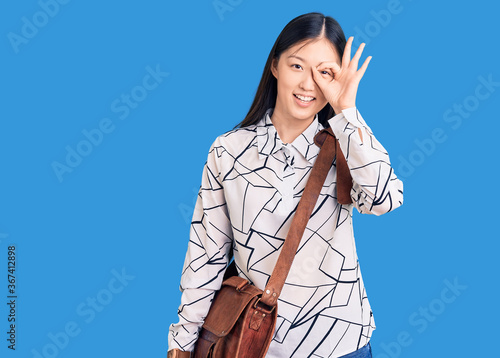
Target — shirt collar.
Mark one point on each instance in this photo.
(269, 142)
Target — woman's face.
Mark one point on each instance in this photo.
(299, 97)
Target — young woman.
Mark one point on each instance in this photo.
(253, 180)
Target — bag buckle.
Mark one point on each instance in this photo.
(262, 308)
(241, 286)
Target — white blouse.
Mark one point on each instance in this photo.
(251, 185)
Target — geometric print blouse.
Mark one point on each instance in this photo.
(250, 187)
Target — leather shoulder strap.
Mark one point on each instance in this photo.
(329, 149)
(344, 178)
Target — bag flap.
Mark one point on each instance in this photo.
(228, 305)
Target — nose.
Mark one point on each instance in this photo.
(307, 83)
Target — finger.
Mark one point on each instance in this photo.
(317, 78)
(321, 81)
(357, 55)
(332, 66)
(347, 52)
(363, 68)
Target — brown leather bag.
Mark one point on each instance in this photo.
(242, 318)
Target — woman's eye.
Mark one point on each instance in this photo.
(297, 66)
(326, 73)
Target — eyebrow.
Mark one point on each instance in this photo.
(297, 57)
(301, 59)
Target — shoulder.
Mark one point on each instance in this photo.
(236, 140)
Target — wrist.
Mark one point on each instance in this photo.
(339, 109)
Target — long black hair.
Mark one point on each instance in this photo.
(302, 28)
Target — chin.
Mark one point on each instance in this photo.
(305, 113)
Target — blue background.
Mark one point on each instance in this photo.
(127, 205)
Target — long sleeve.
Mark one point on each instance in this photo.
(376, 188)
(208, 251)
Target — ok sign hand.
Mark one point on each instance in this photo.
(340, 91)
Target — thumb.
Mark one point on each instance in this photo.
(320, 81)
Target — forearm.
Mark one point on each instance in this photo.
(376, 188)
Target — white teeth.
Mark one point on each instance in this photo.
(305, 99)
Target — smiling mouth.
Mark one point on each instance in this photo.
(304, 99)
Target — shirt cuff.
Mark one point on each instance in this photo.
(350, 115)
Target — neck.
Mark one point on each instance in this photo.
(289, 128)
